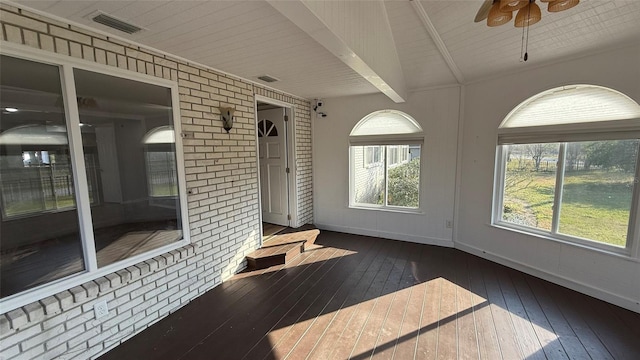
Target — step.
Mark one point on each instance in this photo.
(274, 255)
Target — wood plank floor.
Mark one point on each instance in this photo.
(360, 297)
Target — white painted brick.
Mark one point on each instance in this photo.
(91, 288)
(62, 46)
(19, 336)
(75, 50)
(103, 284)
(22, 21)
(33, 353)
(17, 318)
(55, 352)
(109, 46)
(79, 294)
(13, 34)
(34, 311)
(10, 353)
(31, 38)
(5, 324)
(43, 336)
(114, 280)
(69, 35)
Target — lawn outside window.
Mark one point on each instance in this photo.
(570, 180)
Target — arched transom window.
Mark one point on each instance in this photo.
(568, 167)
(385, 149)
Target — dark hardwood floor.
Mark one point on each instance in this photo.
(360, 297)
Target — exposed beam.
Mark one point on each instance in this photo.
(428, 24)
(388, 78)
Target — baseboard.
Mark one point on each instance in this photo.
(387, 235)
(627, 303)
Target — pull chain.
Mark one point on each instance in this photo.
(524, 54)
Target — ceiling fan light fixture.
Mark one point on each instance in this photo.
(512, 5)
(528, 15)
(497, 17)
(561, 5)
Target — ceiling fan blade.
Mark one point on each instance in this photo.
(483, 12)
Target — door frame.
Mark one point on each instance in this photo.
(290, 141)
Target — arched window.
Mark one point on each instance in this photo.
(385, 151)
(267, 128)
(160, 156)
(567, 167)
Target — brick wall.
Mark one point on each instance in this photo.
(223, 209)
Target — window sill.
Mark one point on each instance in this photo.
(77, 289)
(622, 253)
(388, 209)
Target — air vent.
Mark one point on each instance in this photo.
(267, 78)
(117, 24)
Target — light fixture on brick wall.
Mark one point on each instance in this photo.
(226, 114)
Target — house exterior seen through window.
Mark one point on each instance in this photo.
(385, 164)
(567, 167)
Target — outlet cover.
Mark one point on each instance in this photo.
(101, 309)
(449, 224)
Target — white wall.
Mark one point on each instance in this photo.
(606, 276)
(437, 112)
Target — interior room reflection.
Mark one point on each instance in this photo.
(129, 154)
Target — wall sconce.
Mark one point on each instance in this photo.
(226, 113)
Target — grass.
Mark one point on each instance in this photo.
(595, 203)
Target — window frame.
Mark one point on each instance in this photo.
(563, 134)
(400, 140)
(66, 65)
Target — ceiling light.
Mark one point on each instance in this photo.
(498, 17)
(512, 5)
(560, 5)
(528, 15)
(11, 109)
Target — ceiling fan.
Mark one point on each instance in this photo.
(498, 12)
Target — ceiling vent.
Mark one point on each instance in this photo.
(114, 23)
(267, 78)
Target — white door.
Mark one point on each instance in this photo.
(272, 152)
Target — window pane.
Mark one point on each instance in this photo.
(598, 189)
(127, 130)
(39, 230)
(368, 174)
(529, 185)
(404, 176)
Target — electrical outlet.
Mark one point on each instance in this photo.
(449, 224)
(101, 309)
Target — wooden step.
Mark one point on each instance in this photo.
(274, 255)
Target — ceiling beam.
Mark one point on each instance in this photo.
(428, 24)
(385, 75)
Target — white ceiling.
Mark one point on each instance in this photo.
(350, 47)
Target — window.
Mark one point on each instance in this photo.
(373, 156)
(385, 161)
(78, 185)
(571, 178)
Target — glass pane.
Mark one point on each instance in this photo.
(529, 184)
(598, 189)
(127, 130)
(40, 230)
(368, 174)
(404, 175)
